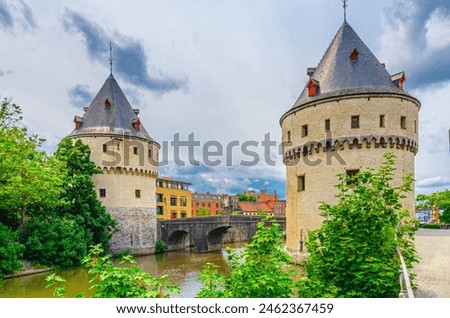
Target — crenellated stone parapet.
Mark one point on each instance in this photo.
(351, 142)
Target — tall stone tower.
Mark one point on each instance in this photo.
(127, 155)
(349, 114)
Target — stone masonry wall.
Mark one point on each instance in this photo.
(137, 230)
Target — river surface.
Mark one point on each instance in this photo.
(183, 268)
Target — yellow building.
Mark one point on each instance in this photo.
(173, 199)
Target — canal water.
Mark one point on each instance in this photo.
(183, 268)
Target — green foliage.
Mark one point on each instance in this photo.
(202, 211)
(432, 226)
(354, 253)
(236, 213)
(122, 254)
(54, 241)
(29, 179)
(10, 251)
(160, 248)
(243, 197)
(260, 271)
(79, 201)
(110, 281)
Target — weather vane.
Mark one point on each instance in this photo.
(110, 56)
(345, 9)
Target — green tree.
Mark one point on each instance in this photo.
(354, 253)
(79, 201)
(243, 197)
(10, 251)
(202, 211)
(29, 180)
(54, 241)
(123, 281)
(260, 271)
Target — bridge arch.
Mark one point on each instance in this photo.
(176, 240)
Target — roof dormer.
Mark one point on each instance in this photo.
(398, 79)
(313, 87)
(354, 55)
(78, 121)
(136, 123)
(107, 104)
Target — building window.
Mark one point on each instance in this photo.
(137, 193)
(415, 126)
(304, 130)
(159, 210)
(102, 193)
(351, 173)
(382, 123)
(183, 201)
(173, 201)
(159, 197)
(289, 136)
(403, 122)
(354, 55)
(173, 215)
(135, 150)
(107, 104)
(355, 122)
(301, 183)
(327, 125)
(183, 215)
(217, 205)
(105, 147)
(209, 205)
(149, 154)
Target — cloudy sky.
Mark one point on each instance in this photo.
(224, 71)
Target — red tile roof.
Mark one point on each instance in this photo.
(254, 207)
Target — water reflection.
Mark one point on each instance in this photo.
(183, 268)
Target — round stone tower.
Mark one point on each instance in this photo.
(350, 113)
(128, 157)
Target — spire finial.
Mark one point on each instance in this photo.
(110, 56)
(345, 9)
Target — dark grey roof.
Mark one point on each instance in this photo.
(113, 120)
(338, 75)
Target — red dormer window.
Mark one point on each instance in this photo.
(398, 79)
(136, 123)
(354, 55)
(107, 104)
(78, 122)
(313, 87)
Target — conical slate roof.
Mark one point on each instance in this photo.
(337, 74)
(110, 113)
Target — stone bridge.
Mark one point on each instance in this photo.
(208, 233)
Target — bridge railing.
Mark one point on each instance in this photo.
(405, 283)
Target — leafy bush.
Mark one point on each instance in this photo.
(110, 281)
(432, 226)
(54, 242)
(10, 251)
(354, 253)
(202, 211)
(260, 271)
(159, 247)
